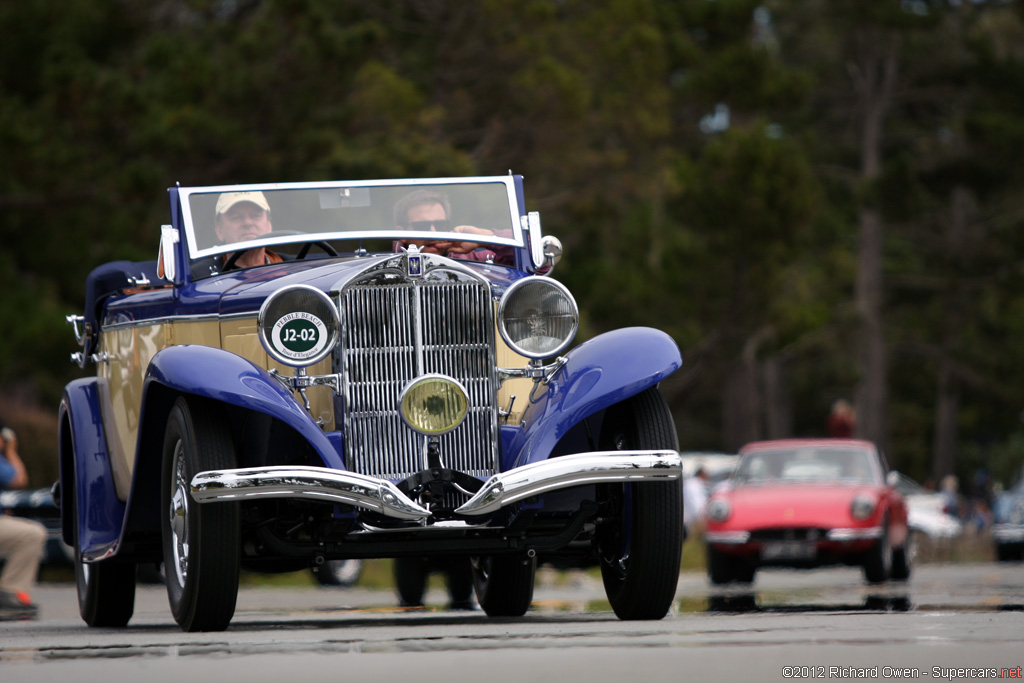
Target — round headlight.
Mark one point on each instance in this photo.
(298, 325)
(862, 507)
(538, 317)
(719, 510)
(433, 404)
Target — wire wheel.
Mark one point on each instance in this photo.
(200, 542)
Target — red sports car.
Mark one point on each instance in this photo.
(808, 503)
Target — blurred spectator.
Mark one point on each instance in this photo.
(841, 420)
(981, 516)
(951, 495)
(981, 487)
(695, 498)
(21, 540)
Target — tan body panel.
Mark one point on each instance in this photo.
(129, 351)
(520, 387)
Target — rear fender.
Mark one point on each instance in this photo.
(86, 475)
(597, 374)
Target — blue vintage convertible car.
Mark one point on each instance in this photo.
(339, 370)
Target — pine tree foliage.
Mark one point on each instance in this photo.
(708, 165)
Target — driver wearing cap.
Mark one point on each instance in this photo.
(242, 216)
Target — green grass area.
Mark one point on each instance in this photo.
(694, 554)
(376, 575)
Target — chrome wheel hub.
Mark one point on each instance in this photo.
(178, 516)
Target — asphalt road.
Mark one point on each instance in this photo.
(824, 624)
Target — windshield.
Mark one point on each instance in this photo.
(222, 219)
(804, 465)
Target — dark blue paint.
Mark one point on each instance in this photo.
(99, 512)
(599, 373)
(229, 378)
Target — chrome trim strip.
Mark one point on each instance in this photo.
(163, 320)
(319, 483)
(727, 537)
(440, 527)
(861, 534)
(102, 552)
(573, 470)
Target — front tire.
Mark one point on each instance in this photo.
(722, 569)
(641, 546)
(878, 561)
(1006, 552)
(903, 558)
(200, 542)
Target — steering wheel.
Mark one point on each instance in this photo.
(326, 247)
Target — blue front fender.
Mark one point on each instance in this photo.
(599, 373)
(229, 378)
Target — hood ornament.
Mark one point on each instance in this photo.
(414, 261)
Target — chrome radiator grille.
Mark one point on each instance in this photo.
(396, 330)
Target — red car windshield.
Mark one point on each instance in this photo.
(807, 465)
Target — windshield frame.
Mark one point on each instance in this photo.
(197, 248)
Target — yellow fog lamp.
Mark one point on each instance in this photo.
(433, 404)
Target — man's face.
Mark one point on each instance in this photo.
(243, 221)
(427, 217)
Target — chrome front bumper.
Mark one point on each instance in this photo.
(1008, 533)
(841, 535)
(339, 486)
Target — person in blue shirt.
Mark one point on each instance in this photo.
(21, 540)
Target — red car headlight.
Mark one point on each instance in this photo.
(719, 510)
(862, 507)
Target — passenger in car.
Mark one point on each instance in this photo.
(429, 211)
(239, 217)
(242, 216)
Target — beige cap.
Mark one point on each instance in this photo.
(229, 199)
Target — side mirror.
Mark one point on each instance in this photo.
(892, 478)
(167, 258)
(552, 248)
